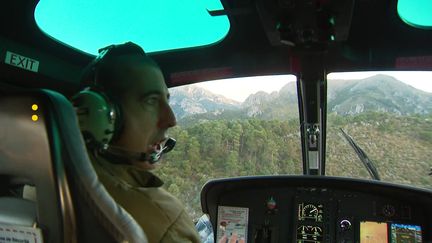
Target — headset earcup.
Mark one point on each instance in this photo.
(96, 115)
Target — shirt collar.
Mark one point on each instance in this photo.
(121, 169)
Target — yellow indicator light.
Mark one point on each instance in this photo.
(35, 107)
(35, 118)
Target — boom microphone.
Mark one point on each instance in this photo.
(152, 158)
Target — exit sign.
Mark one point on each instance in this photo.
(22, 62)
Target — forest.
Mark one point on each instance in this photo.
(398, 145)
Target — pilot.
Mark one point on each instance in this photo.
(124, 115)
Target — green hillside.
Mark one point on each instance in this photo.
(398, 145)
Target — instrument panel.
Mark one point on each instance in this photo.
(317, 209)
(310, 218)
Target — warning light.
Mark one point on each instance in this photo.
(35, 118)
(35, 107)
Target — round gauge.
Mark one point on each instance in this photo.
(305, 230)
(309, 233)
(317, 233)
(317, 230)
(302, 228)
(389, 210)
(310, 211)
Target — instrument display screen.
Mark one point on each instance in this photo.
(373, 232)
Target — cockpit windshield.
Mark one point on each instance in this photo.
(389, 115)
(228, 133)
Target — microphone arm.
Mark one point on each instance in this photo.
(167, 146)
(152, 158)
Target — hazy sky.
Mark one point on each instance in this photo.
(240, 88)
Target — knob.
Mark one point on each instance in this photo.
(345, 225)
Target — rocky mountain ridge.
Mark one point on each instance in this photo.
(379, 93)
(189, 100)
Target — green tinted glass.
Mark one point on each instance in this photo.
(417, 13)
(154, 25)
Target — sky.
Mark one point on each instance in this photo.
(240, 88)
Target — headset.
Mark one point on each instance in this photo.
(99, 114)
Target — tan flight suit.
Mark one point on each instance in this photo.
(161, 215)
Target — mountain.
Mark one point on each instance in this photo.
(377, 93)
(191, 99)
(261, 105)
(277, 105)
(380, 93)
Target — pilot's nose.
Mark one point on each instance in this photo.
(166, 118)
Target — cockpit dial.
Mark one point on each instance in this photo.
(309, 233)
(308, 211)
